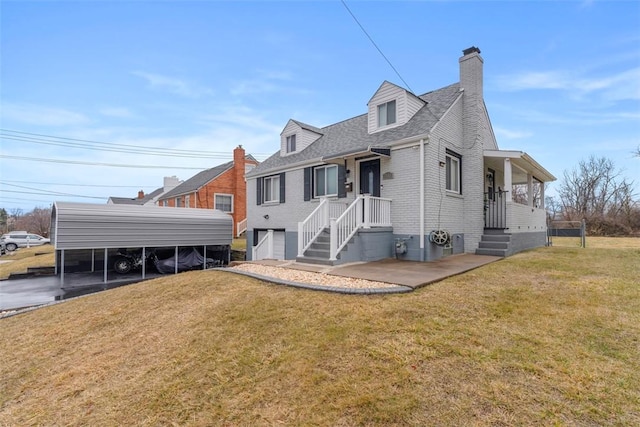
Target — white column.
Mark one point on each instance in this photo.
(530, 190)
(508, 183)
(541, 184)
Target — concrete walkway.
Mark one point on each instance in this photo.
(413, 274)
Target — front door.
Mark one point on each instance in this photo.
(370, 177)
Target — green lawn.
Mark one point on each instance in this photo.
(546, 337)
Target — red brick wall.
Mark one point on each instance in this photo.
(229, 182)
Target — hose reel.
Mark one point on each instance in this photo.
(439, 237)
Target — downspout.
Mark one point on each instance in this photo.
(422, 254)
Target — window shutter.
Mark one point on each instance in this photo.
(307, 184)
(282, 187)
(259, 185)
(342, 179)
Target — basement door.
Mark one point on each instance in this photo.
(278, 243)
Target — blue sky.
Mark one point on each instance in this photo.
(561, 79)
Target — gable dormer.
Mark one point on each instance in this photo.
(391, 106)
(296, 136)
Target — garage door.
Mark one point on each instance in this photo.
(278, 245)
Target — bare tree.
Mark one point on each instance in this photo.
(597, 192)
(37, 221)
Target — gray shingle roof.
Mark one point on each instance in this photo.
(198, 180)
(202, 178)
(352, 135)
(135, 200)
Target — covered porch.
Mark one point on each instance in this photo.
(514, 192)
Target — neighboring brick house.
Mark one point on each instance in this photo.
(417, 177)
(222, 187)
(151, 199)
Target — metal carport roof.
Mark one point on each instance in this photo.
(93, 226)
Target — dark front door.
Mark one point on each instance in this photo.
(370, 177)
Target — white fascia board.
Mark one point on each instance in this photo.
(285, 168)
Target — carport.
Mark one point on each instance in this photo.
(86, 236)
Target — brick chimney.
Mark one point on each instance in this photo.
(240, 199)
(471, 72)
(140, 194)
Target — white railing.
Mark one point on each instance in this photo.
(318, 220)
(312, 226)
(264, 248)
(365, 212)
(241, 227)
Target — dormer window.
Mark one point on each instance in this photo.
(291, 143)
(387, 113)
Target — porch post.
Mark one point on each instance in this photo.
(530, 190)
(367, 211)
(270, 244)
(541, 184)
(508, 180)
(333, 240)
(300, 239)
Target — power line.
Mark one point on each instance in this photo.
(49, 194)
(80, 185)
(104, 146)
(115, 165)
(375, 45)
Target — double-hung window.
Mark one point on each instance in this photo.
(452, 171)
(178, 200)
(272, 189)
(387, 113)
(224, 202)
(325, 181)
(291, 143)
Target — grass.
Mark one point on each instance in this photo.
(546, 337)
(23, 258)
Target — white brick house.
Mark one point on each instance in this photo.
(417, 177)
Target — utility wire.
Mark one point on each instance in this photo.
(78, 185)
(45, 194)
(89, 144)
(344, 3)
(115, 165)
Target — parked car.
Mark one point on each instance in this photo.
(22, 239)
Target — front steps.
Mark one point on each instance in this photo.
(318, 252)
(495, 243)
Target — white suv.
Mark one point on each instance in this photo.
(22, 239)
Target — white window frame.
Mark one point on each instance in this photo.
(215, 201)
(165, 202)
(273, 184)
(453, 172)
(290, 142)
(384, 113)
(178, 202)
(315, 181)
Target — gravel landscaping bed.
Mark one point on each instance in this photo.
(312, 278)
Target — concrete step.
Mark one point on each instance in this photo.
(317, 253)
(492, 252)
(496, 238)
(494, 231)
(493, 245)
(314, 260)
(320, 245)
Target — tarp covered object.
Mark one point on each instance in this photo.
(188, 258)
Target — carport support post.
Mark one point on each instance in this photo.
(93, 260)
(175, 269)
(106, 263)
(144, 258)
(62, 266)
(204, 251)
